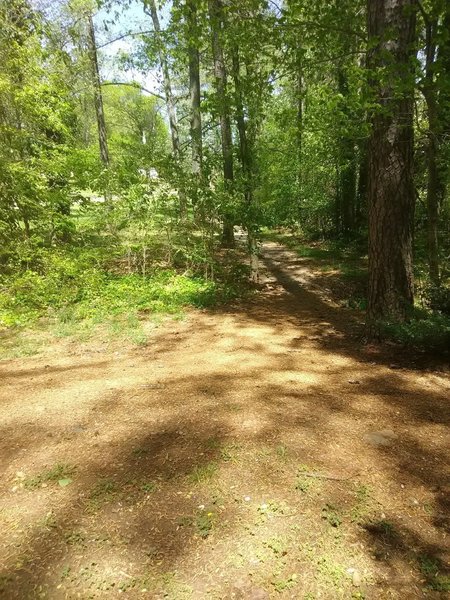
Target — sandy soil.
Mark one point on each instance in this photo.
(254, 452)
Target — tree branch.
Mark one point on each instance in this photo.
(121, 37)
(134, 85)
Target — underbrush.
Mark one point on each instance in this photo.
(75, 294)
(426, 329)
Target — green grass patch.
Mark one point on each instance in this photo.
(431, 569)
(425, 329)
(203, 473)
(78, 296)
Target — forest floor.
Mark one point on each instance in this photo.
(257, 451)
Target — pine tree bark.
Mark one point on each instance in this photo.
(391, 195)
(98, 97)
(220, 74)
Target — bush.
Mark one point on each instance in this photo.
(425, 330)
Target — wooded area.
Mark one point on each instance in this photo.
(224, 299)
(330, 120)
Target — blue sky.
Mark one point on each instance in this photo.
(133, 19)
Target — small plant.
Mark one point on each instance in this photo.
(330, 571)
(361, 507)
(281, 585)
(304, 484)
(203, 473)
(75, 538)
(204, 523)
(60, 473)
(103, 491)
(282, 452)
(228, 453)
(149, 486)
(330, 514)
(278, 545)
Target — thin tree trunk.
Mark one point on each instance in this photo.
(436, 180)
(391, 197)
(194, 87)
(246, 162)
(220, 74)
(170, 101)
(347, 171)
(299, 128)
(98, 98)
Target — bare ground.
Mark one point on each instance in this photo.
(256, 452)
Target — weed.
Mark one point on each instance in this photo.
(75, 538)
(203, 473)
(278, 545)
(48, 522)
(212, 443)
(104, 491)
(60, 472)
(361, 507)
(304, 484)
(228, 453)
(139, 452)
(330, 514)
(185, 521)
(273, 508)
(431, 568)
(204, 523)
(384, 528)
(282, 452)
(281, 585)
(148, 486)
(330, 571)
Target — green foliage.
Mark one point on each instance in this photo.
(74, 287)
(425, 329)
(431, 568)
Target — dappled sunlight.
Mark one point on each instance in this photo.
(237, 440)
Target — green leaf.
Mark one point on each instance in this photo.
(64, 482)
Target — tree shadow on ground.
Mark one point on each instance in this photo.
(194, 441)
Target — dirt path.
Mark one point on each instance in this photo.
(249, 453)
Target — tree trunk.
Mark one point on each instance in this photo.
(361, 194)
(391, 197)
(435, 189)
(299, 91)
(246, 162)
(194, 87)
(436, 101)
(220, 75)
(98, 98)
(347, 171)
(170, 101)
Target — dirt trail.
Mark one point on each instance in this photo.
(193, 459)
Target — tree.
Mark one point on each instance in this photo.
(194, 86)
(98, 98)
(436, 50)
(391, 194)
(221, 85)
